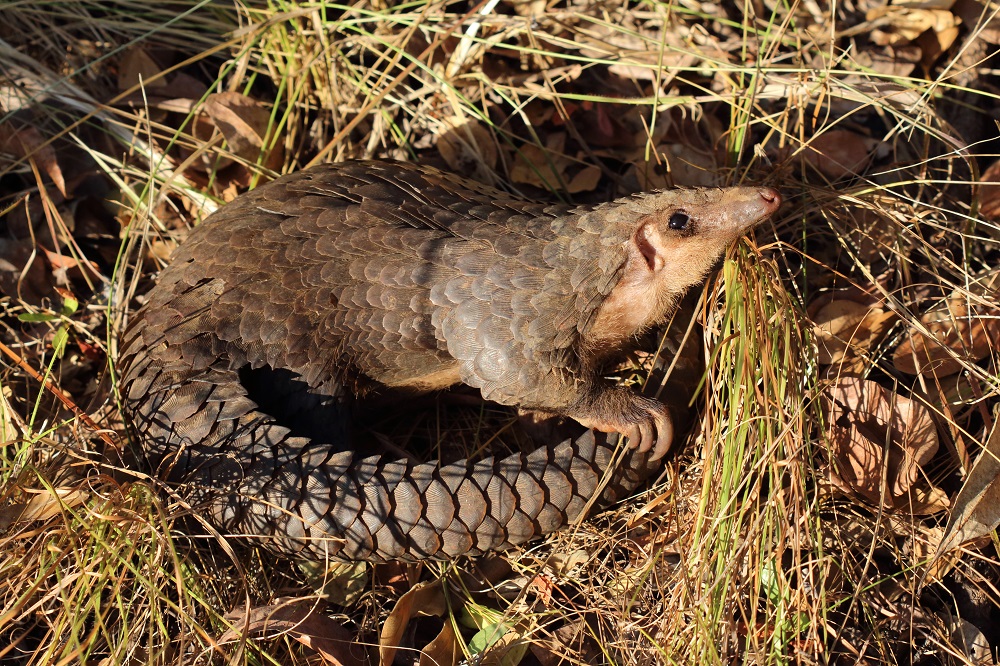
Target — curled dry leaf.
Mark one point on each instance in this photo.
(551, 169)
(23, 272)
(876, 434)
(954, 333)
(977, 506)
(899, 24)
(136, 68)
(25, 142)
(44, 504)
(303, 620)
(989, 192)
(838, 153)
(243, 122)
(677, 165)
(424, 599)
(444, 650)
(468, 148)
(841, 326)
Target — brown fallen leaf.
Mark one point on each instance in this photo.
(551, 169)
(892, 61)
(444, 650)
(541, 168)
(585, 179)
(468, 148)
(841, 326)
(24, 273)
(43, 505)
(64, 267)
(875, 434)
(424, 599)
(243, 121)
(138, 67)
(899, 24)
(976, 511)
(838, 153)
(939, 38)
(303, 620)
(957, 338)
(677, 165)
(25, 142)
(989, 192)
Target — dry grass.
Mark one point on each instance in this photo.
(744, 551)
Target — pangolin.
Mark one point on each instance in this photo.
(389, 275)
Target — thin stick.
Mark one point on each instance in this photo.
(64, 397)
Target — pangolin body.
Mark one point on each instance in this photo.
(393, 275)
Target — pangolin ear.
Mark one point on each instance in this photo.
(648, 242)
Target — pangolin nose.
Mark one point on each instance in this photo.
(771, 197)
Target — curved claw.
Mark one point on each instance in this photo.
(645, 422)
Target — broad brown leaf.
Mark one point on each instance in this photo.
(424, 599)
(303, 620)
(845, 325)
(875, 434)
(26, 142)
(976, 511)
(958, 337)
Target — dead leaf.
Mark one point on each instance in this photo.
(468, 148)
(989, 192)
(25, 142)
(584, 180)
(243, 122)
(954, 333)
(934, 42)
(162, 248)
(444, 650)
(976, 511)
(551, 169)
(24, 273)
(571, 638)
(63, 267)
(43, 505)
(892, 61)
(543, 586)
(424, 599)
(562, 563)
(341, 583)
(926, 500)
(135, 67)
(900, 24)
(303, 620)
(677, 165)
(841, 325)
(875, 434)
(838, 153)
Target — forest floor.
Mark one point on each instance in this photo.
(833, 498)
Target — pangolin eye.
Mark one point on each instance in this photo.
(679, 220)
